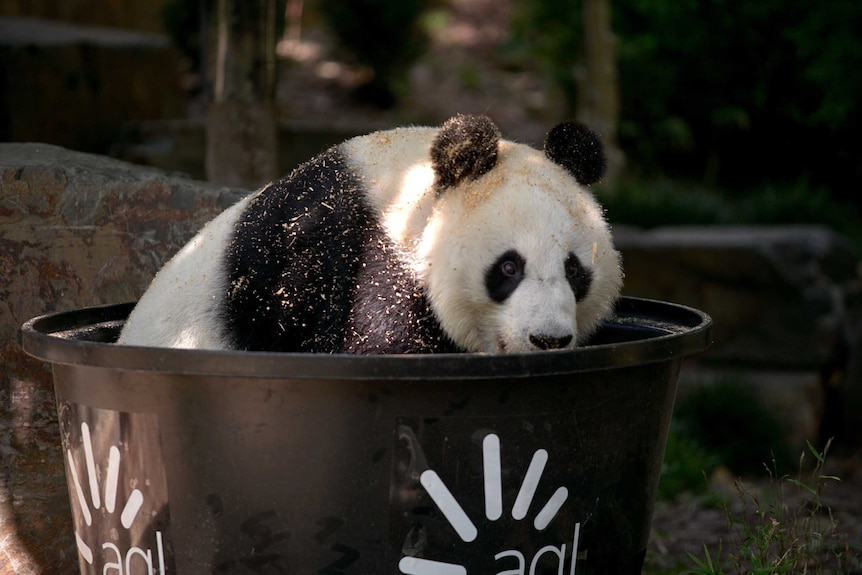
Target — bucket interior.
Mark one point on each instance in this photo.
(634, 319)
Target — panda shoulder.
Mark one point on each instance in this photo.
(387, 161)
(389, 150)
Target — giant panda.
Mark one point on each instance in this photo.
(412, 240)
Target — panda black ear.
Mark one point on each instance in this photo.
(464, 148)
(578, 149)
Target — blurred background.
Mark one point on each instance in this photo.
(714, 111)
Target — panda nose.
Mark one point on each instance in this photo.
(550, 341)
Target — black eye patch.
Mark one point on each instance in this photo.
(504, 276)
(579, 276)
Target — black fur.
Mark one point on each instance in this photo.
(578, 149)
(580, 277)
(504, 276)
(465, 148)
(311, 270)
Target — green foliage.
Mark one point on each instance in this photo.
(664, 202)
(686, 465)
(384, 35)
(657, 202)
(741, 92)
(729, 420)
(796, 203)
(759, 98)
(722, 424)
(549, 32)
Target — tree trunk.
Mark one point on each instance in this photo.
(241, 120)
(598, 103)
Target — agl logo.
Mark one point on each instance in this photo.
(467, 530)
(103, 498)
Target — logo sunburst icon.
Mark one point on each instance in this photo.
(466, 528)
(130, 508)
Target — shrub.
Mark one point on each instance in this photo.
(729, 419)
(383, 35)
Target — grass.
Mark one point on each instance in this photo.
(685, 463)
(785, 528)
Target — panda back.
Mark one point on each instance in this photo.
(183, 305)
(311, 268)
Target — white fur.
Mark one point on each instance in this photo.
(180, 308)
(396, 169)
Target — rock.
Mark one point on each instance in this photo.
(778, 295)
(76, 230)
(107, 76)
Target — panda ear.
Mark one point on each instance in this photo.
(464, 148)
(578, 149)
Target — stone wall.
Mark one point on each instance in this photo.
(130, 14)
(76, 86)
(76, 230)
(780, 295)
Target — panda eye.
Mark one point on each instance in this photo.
(573, 266)
(509, 268)
(504, 275)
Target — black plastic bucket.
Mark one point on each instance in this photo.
(187, 461)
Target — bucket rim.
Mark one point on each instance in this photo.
(680, 331)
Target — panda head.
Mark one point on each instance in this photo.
(516, 255)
